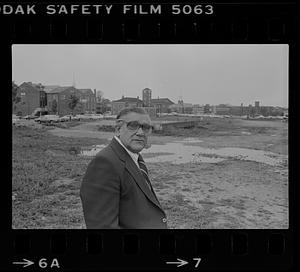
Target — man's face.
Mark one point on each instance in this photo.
(134, 139)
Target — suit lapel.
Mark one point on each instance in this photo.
(135, 172)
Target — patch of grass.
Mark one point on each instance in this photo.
(109, 128)
(181, 215)
(69, 124)
(39, 159)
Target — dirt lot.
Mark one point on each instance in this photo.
(235, 177)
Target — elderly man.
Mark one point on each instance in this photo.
(116, 191)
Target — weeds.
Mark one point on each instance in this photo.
(39, 159)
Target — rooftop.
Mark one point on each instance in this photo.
(49, 88)
(37, 86)
(59, 89)
(161, 100)
(128, 99)
(86, 91)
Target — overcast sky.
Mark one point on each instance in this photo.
(200, 74)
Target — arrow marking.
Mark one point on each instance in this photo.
(25, 262)
(179, 262)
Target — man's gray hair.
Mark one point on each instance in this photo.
(125, 111)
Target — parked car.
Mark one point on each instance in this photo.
(65, 118)
(90, 116)
(28, 117)
(83, 116)
(69, 117)
(95, 116)
(110, 117)
(75, 118)
(47, 119)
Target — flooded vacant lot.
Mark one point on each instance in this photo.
(232, 181)
(228, 174)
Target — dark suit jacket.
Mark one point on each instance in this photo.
(114, 193)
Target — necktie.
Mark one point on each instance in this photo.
(144, 171)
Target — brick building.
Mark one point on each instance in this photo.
(161, 105)
(29, 97)
(59, 98)
(182, 107)
(124, 102)
(223, 109)
(103, 106)
(88, 100)
(198, 109)
(237, 110)
(146, 96)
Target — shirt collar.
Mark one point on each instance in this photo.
(134, 156)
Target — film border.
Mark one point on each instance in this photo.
(272, 23)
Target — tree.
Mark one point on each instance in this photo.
(99, 95)
(15, 99)
(73, 101)
(54, 106)
(14, 92)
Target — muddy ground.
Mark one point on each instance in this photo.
(199, 189)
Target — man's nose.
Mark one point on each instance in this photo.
(140, 131)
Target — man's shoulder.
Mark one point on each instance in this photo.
(107, 152)
(106, 158)
(103, 167)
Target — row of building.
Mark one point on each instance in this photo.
(165, 105)
(53, 99)
(56, 99)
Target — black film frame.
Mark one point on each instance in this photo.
(270, 22)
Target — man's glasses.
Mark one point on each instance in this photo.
(135, 125)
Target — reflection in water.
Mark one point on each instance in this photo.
(92, 151)
(180, 153)
(184, 153)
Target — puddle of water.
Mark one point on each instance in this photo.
(184, 153)
(92, 151)
(189, 140)
(179, 153)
